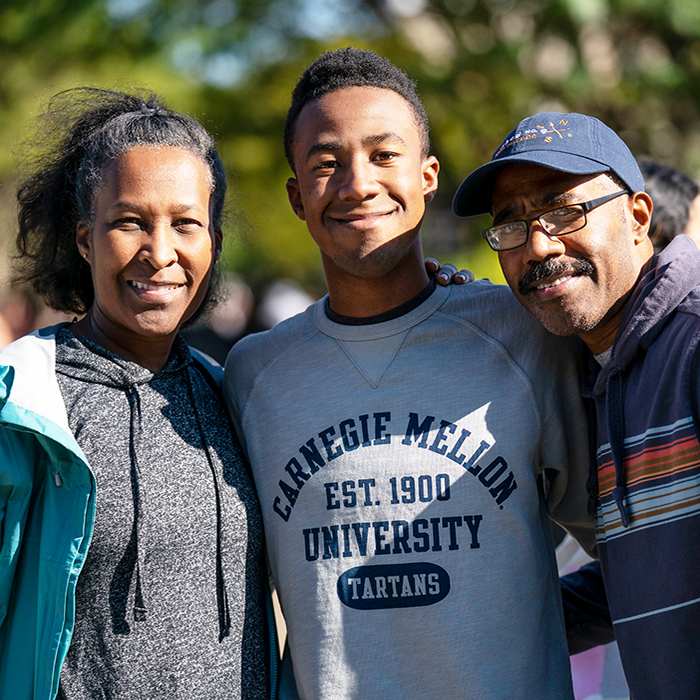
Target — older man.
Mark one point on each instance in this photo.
(570, 228)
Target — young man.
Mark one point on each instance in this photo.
(406, 439)
(570, 227)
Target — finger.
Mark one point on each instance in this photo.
(446, 273)
(432, 265)
(463, 277)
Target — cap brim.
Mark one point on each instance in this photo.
(474, 195)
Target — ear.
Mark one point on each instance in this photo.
(218, 244)
(642, 207)
(294, 194)
(430, 169)
(82, 239)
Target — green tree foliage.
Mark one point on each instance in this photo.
(481, 66)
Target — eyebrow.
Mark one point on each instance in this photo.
(332, 146)
(181, 209)
(380, 138)
(549, 200)
(325, 146)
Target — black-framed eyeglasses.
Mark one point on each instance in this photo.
(557, 222)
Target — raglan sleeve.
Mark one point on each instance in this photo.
(240, 373)
(565, 464)
(564, 448)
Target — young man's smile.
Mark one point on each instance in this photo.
(361, 221)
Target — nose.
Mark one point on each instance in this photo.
(159, 247)
(541, 245)
(359, 181)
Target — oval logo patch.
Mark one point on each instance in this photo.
(393, 586)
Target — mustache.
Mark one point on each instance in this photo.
(551, 268)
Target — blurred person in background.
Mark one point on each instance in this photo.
(279, 301)
(227, 322)
(19, 310)
(597, 673)
(240, 311)
(132, 550)
(676, 200)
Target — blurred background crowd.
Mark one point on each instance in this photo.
(481, 66)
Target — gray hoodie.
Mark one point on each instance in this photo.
(170, 601)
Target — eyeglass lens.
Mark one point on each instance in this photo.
(557, 222)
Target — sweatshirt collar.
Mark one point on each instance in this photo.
(382, 329)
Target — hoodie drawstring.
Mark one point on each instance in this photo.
(132, 562)
(616, 424)
(132, 558)
(140, 610)
(221, 592)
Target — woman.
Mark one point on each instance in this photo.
(131, 561)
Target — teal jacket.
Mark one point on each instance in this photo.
(47, 514)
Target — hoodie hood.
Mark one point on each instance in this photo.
(89, 362)
(664, 284)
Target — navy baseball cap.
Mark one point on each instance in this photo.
(571, 143)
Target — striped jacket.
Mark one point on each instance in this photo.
(645, 480)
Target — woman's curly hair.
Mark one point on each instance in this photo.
(81, 132)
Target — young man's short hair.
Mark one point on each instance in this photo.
(350, 67)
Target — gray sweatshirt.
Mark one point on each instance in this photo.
(405, 471)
